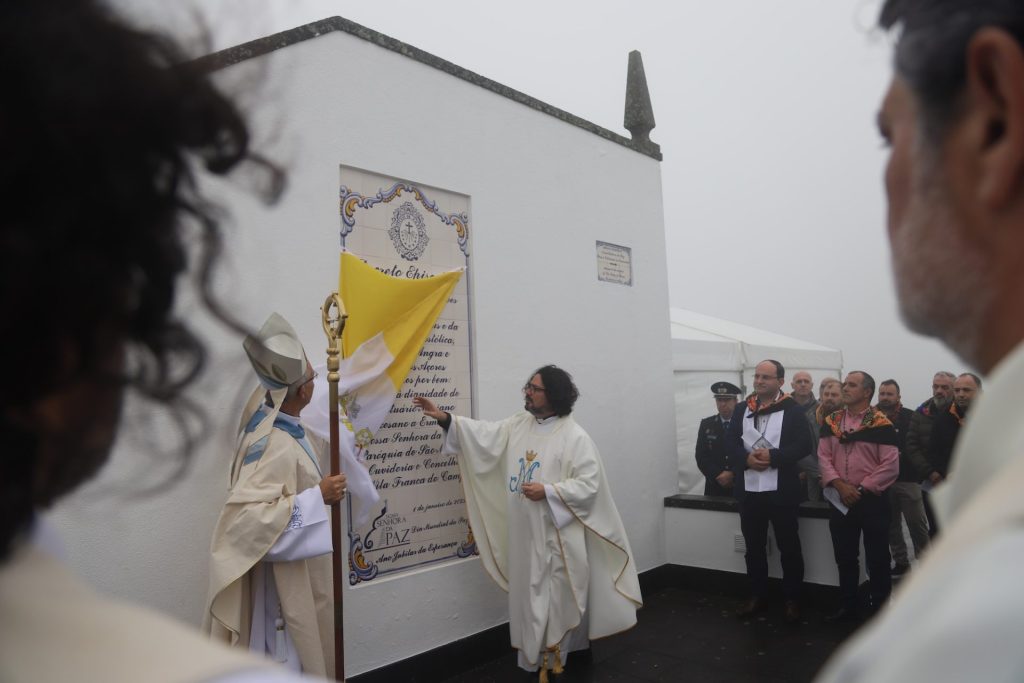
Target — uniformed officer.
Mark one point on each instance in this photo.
(712, 457)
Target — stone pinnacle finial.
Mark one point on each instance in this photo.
(639, 118)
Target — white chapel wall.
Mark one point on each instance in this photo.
(542, 192)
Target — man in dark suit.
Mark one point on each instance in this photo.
(711, 454)
(766, 438)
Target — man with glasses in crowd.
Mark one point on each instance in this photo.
(544, 521)
(767, 437)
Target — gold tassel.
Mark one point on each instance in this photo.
(557, 668)
(544, 669)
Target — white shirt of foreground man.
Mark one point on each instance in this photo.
(545, 523)
(955, 181)
(91, 637)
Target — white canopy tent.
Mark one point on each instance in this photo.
(706, 350)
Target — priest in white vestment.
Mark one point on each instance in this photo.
(545, 523)
(270, 571)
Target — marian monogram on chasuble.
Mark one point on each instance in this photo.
(528, 466)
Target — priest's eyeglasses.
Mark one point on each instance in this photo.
(532, 389)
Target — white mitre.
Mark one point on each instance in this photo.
(280, 361)
(276, 354)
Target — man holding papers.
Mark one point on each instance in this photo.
(766, 442)
(859, 461)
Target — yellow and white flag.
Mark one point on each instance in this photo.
(389, 320)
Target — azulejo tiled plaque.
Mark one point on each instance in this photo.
(410, 230)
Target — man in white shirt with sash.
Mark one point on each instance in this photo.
(954, 119)
(270, 571)
(767, 438)
(545, 523)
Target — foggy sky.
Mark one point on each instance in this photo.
(772, 171)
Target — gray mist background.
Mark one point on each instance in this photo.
(772, 172)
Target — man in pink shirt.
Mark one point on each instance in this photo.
(859, 461)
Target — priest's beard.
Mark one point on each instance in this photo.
(529, 406)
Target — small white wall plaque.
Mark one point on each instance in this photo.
(614, 263)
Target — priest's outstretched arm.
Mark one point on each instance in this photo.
(480, 443)
(430, 409)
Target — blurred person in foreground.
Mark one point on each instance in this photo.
(101, 128)
(954, 119)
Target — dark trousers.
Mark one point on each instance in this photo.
(869, 517)
(929, 511)
(756, 511)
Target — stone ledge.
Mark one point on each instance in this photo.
(726, 504)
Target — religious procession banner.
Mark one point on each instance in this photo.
(404, 242)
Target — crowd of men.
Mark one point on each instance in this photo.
(873, 460)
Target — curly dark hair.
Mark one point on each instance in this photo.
(99, 126)
(559, 388)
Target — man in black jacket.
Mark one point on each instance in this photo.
(946, 428)
(919, 435)
(905, 494)
(711, 454)
(766, 438)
